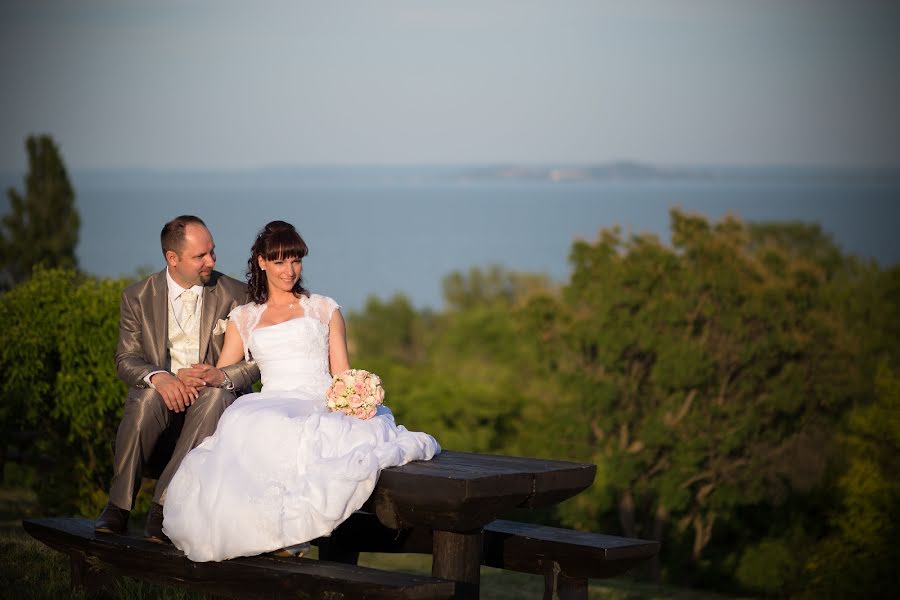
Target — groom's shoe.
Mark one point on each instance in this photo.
(153, 531)
(112, 520)
(295, 551)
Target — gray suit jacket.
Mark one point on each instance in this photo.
(144, 328)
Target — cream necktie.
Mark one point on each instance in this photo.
(188, 310)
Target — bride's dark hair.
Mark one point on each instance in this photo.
(276, 241)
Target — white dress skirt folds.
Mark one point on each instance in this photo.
(280, 469)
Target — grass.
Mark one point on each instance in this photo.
(497, 584)
(31, 571)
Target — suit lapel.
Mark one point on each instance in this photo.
(159, 317)
(208, 318)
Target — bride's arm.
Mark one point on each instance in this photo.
(337, 343)
(231, 361)
(232, 347)
(231, 364)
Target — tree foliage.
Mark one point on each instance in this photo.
(57, 354)
(737, 390)
(42, 224)
(706, 379)
(707, 374)
(860, 556)
(455, 375)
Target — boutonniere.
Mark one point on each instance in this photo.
(221, 326)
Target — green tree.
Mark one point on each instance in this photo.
(477, 368)
(462, 375)
(390, 332)
(797, 240)
(57, 356)
(491, 285)
(706, 380)
(701, 378)
(860, 557)
(42, 224)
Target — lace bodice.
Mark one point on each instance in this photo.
(292, 355)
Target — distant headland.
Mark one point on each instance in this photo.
(626, 171)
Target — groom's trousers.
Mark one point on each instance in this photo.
(149, 430)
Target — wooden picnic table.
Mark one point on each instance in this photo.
(447, 507)
(457, 493)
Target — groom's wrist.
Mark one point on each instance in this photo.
(148, 379)
(226, 381)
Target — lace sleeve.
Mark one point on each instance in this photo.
(321, 308)
(246, 317)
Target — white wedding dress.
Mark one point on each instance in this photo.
(280, 469)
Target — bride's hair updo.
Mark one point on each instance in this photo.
(277, 241)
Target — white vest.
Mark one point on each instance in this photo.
(184, 346)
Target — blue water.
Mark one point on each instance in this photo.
(377, 237)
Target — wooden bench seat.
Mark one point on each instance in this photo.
(96, 557)
(565, 558)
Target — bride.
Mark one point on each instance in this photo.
(280, 469)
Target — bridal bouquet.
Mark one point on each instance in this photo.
(356, 393)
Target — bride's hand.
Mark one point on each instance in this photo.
(207, 374)
(192, 376)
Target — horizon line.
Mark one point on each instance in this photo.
(632, 163)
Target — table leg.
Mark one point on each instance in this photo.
(88, 576)
(560, 587)
(457, 556)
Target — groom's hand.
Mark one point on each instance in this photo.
(175, 394)
(209, 374)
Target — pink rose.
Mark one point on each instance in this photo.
(359, 387)
(359, 413)
(379, 395)
(355, 401)
(338, 388)
(371, 412)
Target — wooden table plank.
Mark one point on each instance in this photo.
(461, 491)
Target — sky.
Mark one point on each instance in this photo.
(237, 85)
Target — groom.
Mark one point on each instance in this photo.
(171, 330)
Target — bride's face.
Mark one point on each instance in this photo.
(281, 273)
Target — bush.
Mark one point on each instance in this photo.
(60, 388)
(767, 567)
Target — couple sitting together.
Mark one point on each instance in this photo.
(270, 470)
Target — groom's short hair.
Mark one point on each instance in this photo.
(172, 235)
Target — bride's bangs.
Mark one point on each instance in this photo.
(285, 245)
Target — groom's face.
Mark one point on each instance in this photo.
(194, 264)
